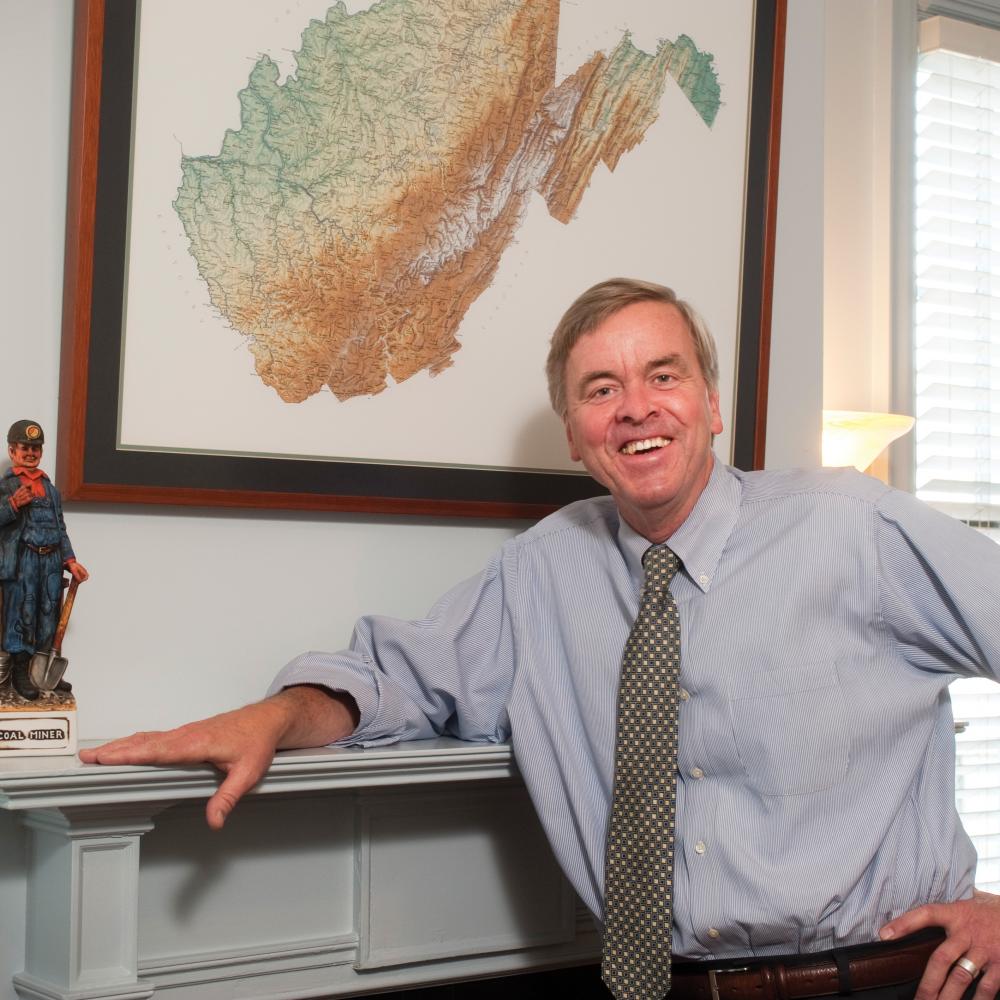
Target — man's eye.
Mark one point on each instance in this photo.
(664, 377)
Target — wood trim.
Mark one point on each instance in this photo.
(88, 40)
(770, 234)
(62, 782)
(254, 499)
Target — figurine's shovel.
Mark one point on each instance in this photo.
(47, 668)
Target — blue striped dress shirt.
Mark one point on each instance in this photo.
(822, 617)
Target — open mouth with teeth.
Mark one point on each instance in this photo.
(646, 444)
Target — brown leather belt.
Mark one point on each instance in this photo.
(792, 977)
(42, 550)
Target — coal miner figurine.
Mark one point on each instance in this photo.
(34, 551)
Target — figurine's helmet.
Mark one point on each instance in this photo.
(25, 432)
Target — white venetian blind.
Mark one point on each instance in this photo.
(957, 270)
(957, 351)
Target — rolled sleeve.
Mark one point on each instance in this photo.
(446, 674)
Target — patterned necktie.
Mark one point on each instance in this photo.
(640, 853)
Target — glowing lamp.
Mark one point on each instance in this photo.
(856, 437)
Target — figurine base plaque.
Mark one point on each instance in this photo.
(40, 728)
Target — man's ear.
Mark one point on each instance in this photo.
(574, 454)
(715, 417)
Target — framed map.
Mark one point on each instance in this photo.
(315, 250)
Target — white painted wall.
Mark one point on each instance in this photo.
(796, 376)
(190, 613)
(870, 54)
(858, 205)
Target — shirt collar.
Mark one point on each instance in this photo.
(699, 541)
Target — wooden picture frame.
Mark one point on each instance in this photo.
(91, 466)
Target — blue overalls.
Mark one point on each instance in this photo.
(31, 599)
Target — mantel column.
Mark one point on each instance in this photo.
(82, 919)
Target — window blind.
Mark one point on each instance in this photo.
(957, 273)
(957, 361)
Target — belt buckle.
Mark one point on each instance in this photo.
(713, 983)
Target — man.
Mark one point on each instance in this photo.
(34, 551)
(820, 617)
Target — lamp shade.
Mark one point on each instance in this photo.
(857, 437)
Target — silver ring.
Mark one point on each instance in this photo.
(970, 967)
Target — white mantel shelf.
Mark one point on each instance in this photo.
(432, 868)
(60, 782)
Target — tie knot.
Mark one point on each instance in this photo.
(660, 565)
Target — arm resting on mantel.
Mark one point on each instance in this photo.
(241, 743)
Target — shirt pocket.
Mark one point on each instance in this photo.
(790, 727)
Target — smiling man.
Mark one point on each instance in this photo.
(726, 693)
(641, 406)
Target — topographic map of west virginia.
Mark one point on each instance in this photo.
(365, 201)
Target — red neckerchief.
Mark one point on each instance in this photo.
(31, 478)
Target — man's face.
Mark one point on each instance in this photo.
(640, 415)
(27, 455)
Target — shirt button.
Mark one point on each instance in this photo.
(697, 773)
(699, 848)
(683, 695)
(703, 579)
(713, 933)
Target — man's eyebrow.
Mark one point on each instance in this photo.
(669, 361)
(588, 378)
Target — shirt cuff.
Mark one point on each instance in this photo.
(322, 670)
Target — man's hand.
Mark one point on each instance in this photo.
(972, 927)
(21, 497)
(241, 743)
(77, 571)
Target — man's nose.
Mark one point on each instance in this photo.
(635, 403)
